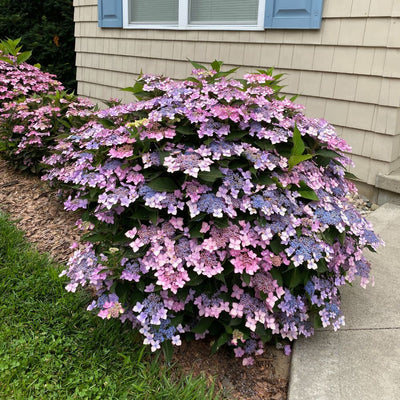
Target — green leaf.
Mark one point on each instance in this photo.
(331, 235)
(211, 176)
(168, 350)
(327, 153)
(153, 216)
(163, 184)
(221, 222)
(136, 88)
(216, 65)
(276, 274)
(296, 277)
(186, 130)
(276, 246)
(317, 323)
(322, 266)
(265, 335)
(236, 135)
(349, 175)
(298, 144)
(6, 59)
(96, 237)
(264, 144)
(225, 73)
(219, 342)
(297, 159)
(246, 278)
(65, 123)
(194, 231)
(107, 123)
(264, 179)
(202, 325)
(197, 65)
(23, 56)
(306, 192)
(195, 279)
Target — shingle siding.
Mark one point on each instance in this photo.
(348, 72)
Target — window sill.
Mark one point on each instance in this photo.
(196, 27)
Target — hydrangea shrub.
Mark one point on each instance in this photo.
(18, 78)
(212, 206)
(33, 109)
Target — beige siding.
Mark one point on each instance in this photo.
(348, 72)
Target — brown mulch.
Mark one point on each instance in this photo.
(40, 214)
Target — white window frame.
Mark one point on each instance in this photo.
(183, 21)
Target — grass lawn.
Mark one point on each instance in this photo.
(52, 348)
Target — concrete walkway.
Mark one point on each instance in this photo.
(361, 361)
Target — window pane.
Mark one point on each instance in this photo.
(153, 11)
(223, 12)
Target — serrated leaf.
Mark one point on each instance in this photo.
(327, 153)
(294, 160)
(349, 175)
(23, 56)
(163, 184)
(330, 235)
(194, 231)
(211, 176)
(197, 65)
(202, 325)
(6, 59)
(276, 246)
(306, 192)
(225, 73)
(298, 144)
(216, 65)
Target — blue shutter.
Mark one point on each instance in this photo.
(293, 14)
(110, 13)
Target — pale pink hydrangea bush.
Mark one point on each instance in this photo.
(22, 79)
(214, 207)
(33, 112)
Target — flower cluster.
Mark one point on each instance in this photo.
(22, 79)
(33, 111)
(215, 208)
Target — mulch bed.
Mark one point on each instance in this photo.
(40, 214)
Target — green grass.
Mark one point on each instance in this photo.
(52, 348)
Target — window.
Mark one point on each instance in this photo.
(210, 14)
(194, 14)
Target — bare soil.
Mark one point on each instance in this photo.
(39, 213)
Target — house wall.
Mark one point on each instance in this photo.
(348, 72)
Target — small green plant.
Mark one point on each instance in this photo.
(9, 48)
